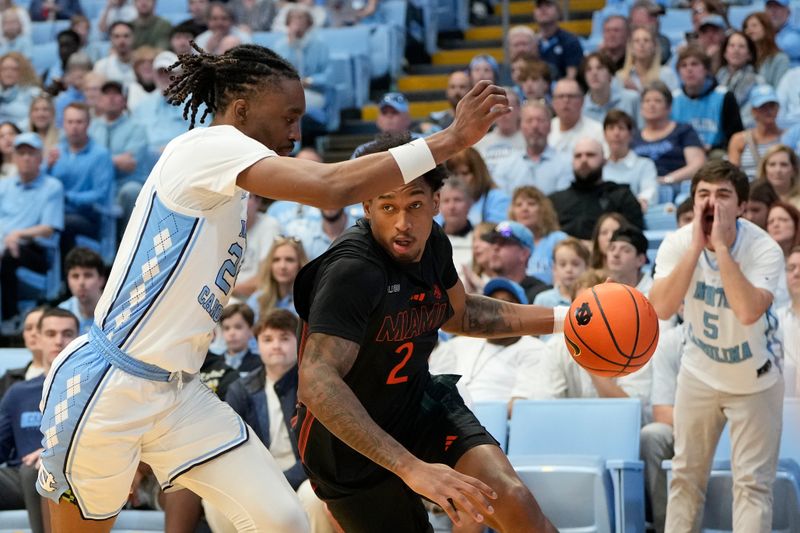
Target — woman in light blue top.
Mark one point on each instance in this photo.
(19, 85)
(285, 259)
(490, 204)
(531, 208)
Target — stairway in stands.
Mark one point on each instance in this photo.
(424, 84)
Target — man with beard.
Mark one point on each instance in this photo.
(589, 197)
(318, 234)
(725, 271)
(458, 85)
(512, 245)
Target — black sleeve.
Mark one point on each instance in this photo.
(346, 291)
(443, 254)
(731, 119)
(689, 137)
(629, 207)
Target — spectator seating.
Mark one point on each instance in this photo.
(128, 521)
(44, 56)
(737, 14)
(106, 245)
(452, 15)
(424, 24)
(718, 509)
(13, 358)
(47, 31)
(36, 286)
(675, 23)
(660, 217)
(494, 417)
(587, 450)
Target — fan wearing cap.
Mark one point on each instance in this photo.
(161, 120)
(512, 245)
(748, 147)
(494, 370)
(393, 118)
(625, 257)
(711, 36)
(126, 140)
(788, 36)
(557, 47)
(31, 212)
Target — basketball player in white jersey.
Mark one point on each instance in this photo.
(127, 391)
(725, 270)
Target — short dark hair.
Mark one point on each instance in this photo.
(60, 313)
(685, 206)
(762, 191)
(280, 319)
(661, 88)
(616, 117)
(383, 141)
(718, 171)
(68, 34)
(84, 258)
(80, 106)
(602, 58)
(120, 23)
(238, 309)
(694, 51)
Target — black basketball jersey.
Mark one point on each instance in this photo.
(393, 311)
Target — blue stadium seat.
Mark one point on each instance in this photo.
(266, 38)
(452, 15)
(737, 14)
(44, 56)
(581, 446)
(106, 245)
(13, 358)
(718, 511)
(35, 286)
(172, 6)
(675, 23)
(423, 26)
(353, 41)
(660, 217)
(494, 417)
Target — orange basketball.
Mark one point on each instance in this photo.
(611, 330)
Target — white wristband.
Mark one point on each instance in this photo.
(559, 316)
(414, 159)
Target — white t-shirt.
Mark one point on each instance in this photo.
(280, 447)
(790, 332)
(259, 241)
(491, 372)
(721, 351)
(564, 141)
(181, 251)
(562, 377)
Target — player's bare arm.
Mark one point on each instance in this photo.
(326, 360)
(330, 186)
(479, 316)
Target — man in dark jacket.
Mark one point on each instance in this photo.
(266, 399)
(589, 197)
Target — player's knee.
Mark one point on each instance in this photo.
(286, 518)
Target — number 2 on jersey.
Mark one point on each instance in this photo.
(393, 378)
(229, 267)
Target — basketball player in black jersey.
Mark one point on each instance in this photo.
(374, 428)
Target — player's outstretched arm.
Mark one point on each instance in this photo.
(331, 186)
(326, 359)
(481, 316)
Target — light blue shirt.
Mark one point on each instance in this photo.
(15, 103)
(84, 322)
(22, 44)
(286, 212)
(64, 98)
(550, 298)
(788, 40)
(162, 121)
(540, 264)
(87, 175)
(553, 172)
(121, 136)
(315, 240)
(620, 98)
(24, 205)
(491, 207)
(638, 173)
(309, 55)
(234, 360)
(287, 302)
(791, 137)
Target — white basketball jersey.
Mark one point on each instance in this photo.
(181, 251)
(721, 351)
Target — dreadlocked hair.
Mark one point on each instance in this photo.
(212, 79)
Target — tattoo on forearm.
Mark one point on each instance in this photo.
(335, 405)
(489, 316)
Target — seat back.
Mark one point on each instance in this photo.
(494, 417)
(602, 427)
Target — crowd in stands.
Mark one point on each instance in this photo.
(561, 195)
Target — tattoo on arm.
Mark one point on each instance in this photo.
(326, 360)
(487, 316)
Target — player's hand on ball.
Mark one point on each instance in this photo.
(453, 491)
(477, 111)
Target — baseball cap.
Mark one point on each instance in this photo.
(504, 284)
(396, 101)
(763, 94)
(508, 230)
(713, 20)
(28, 139)
(633, 236)
(164, 60)
(784, 3)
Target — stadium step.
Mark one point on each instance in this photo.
(581, 27)
(417, 110)
(526, 7)
(459, 57)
